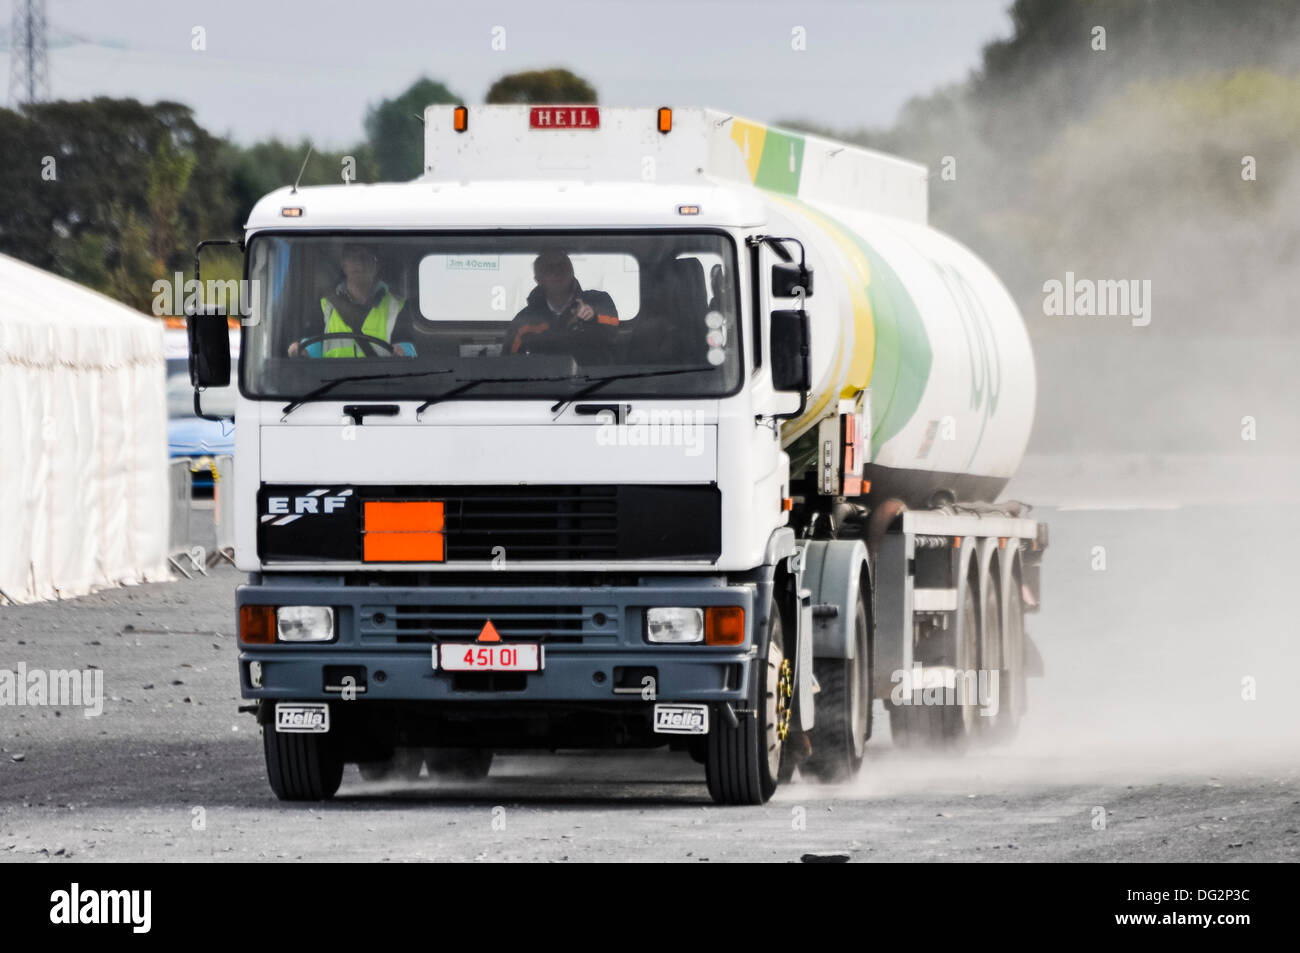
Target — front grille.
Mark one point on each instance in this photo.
(559, 523)
(493, 525)
(452, 623)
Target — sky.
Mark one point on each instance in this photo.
(303, 68)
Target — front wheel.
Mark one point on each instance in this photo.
(302, 767)
(843, 722)
(744, 762)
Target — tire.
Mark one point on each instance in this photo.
(843, 722)
(458, 764)
(404, 765)
(932, 727)
(744, 762)
(943, 727)
(302, 767)
(985, 727)
(1012, 683)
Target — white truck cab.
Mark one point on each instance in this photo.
(513, 464)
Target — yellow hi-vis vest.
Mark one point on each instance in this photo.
(378, 324)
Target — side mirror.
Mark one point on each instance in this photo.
(789, 350)
(209, 337)
(788, 278)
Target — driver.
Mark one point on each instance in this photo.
(359, 304)
(562, 318)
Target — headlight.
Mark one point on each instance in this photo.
(674, 624)
(304, 624)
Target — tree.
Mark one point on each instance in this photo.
(541, 86)
(395, 129)
(130, 188)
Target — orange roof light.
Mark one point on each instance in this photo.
(460, 118)
(665, 119)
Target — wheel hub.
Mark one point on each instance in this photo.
(784, 698)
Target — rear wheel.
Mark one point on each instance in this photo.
(458, 764)
(301, 767)
(843, 720)
(1012, 683)
(990, 635)
(942, 725)
(744, 762)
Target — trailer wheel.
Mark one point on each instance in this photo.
(843, 723)
(1012, 684)
(986, 727)
(404, 765)
(744, 762)
(942, 726)
(458, 764)
(302, 767)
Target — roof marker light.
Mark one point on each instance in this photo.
(460, 118)
(294, 211)
(665, 119)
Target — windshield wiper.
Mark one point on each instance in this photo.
(466, 385)
(331, 384)
(596, 383)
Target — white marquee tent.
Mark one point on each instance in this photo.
(83, 440)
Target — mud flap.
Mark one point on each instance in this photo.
(803, 665)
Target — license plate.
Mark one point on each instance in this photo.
(524, 657)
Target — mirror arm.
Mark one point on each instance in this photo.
(798, 411)
(198, 409)
(774, 242)
(198, 251)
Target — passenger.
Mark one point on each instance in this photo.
(562, 318)
(360, 303)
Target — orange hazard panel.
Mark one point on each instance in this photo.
(389, 517)
(402, 547)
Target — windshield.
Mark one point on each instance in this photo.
(218, 401)
(525, 315)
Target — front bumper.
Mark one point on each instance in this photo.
(594, 650)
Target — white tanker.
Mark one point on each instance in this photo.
(624, 428)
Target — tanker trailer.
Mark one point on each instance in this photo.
(663, 428)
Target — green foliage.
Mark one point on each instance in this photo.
(272, 165)
(541, 86)
(131, 184)
(395, 129)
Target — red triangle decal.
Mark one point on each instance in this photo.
(489, 633)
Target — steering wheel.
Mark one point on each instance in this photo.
(355, 335)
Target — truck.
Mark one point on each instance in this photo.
(664, 428)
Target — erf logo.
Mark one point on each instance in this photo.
(302, 719)
(681, 719)
(315, 503)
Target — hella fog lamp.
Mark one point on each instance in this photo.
(304, 624)
(674, 624)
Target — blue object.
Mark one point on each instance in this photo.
(197, 439)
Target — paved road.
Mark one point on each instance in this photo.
(1141, 716)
